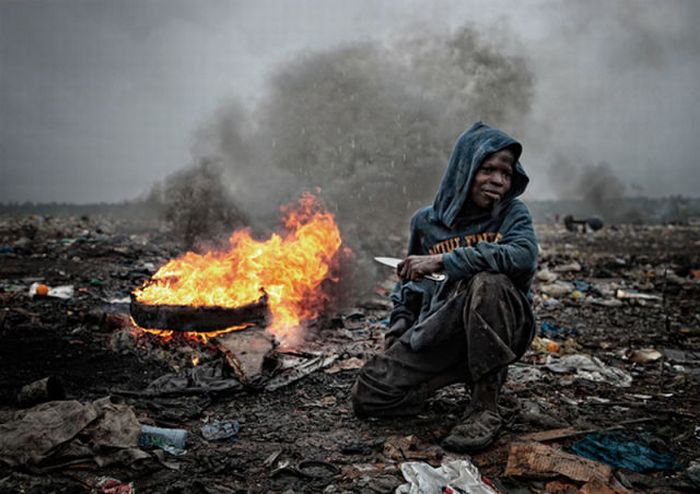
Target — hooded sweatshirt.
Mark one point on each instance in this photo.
(471, 240)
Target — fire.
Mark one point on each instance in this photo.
(201, 337)
(290, 267)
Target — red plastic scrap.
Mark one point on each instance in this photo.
(109, 485)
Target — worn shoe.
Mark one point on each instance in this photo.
(479, 430)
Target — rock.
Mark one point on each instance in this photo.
(567, 268)
(557, 289)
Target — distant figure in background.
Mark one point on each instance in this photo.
(592, 224)
(471, 326)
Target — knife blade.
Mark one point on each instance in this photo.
(394, 262)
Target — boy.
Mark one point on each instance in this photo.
(471, 326)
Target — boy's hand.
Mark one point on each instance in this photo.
(414, 268)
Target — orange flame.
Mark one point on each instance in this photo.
(289, 267)
(202, 337)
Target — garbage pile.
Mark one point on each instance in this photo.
(605, 400)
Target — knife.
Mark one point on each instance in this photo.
(394, 262)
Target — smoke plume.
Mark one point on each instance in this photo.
(594, 184)
(372, 125)
(197, 205)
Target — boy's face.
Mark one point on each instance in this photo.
(493, 179)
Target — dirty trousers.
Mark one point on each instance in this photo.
(486, 325)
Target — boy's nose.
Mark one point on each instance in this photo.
(497, 179)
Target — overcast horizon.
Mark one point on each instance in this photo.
(99, 100)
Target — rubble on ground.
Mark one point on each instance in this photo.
(613, 375)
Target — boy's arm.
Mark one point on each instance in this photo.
(515, 254)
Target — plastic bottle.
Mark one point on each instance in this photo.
(160, 437)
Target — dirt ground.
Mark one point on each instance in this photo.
(627, 295)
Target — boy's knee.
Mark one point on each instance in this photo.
(486, 292)
(486, 284)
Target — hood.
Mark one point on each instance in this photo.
(469, 152)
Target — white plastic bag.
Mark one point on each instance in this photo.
(458, 474)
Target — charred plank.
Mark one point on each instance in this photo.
(198, 318)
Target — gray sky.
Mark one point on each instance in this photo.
(99, 99)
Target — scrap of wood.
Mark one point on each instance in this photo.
(533, 459)
(301, 370)
(550, 435)
(198, 318)
(566, 432)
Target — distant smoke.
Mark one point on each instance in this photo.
(594, 184)
(618, 85)
(598, 184)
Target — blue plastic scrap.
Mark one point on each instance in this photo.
(581, 285)
(551, 330)
(620, 450)
(221, 431)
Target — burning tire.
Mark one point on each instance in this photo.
(198, 318)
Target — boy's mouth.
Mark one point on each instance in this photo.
(494, 196)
